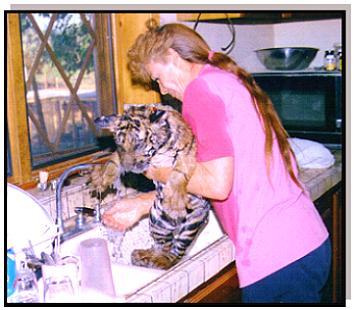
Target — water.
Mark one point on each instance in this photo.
(115, 239)
(121, 244)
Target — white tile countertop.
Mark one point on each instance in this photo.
(319, 181)
(203, 263)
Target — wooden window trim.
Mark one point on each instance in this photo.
(22, 173)
(16, 104)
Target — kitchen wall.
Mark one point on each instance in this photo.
(320, 34)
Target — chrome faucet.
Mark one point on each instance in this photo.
(58, 198)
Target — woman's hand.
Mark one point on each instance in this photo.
(211, 179)
(128, 211)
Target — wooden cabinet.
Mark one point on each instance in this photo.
(330, 207)
(224, 287)
(207, 16)
(125, 29)
(259, 17)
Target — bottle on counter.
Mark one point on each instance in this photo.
(339, 60)
(330, 62)
(338, 55)
(10, 272)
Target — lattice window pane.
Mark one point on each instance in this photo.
(61, 92)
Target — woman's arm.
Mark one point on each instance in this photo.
(211, 179)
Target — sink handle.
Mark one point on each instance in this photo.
(85, 211)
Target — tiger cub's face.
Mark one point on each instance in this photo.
(134, 137)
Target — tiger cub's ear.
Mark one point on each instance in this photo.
(155, 115)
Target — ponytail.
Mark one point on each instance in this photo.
(191, 47)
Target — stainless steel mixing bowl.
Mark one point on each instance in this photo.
(286, 58)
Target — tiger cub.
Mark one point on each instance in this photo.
(158, 136)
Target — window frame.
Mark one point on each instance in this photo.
(22, 172)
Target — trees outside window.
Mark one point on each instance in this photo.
(61, 62)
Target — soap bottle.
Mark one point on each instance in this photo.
(11, 272)
(338, 55)
(339, 60)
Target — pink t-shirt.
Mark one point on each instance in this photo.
(271, 222)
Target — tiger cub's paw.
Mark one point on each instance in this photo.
(153, 258)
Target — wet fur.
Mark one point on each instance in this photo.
(158, 137)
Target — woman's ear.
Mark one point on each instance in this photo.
(173, 55)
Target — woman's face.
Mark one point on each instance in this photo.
(171, 76)
(167, 78)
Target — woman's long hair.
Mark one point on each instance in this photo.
(154, 44)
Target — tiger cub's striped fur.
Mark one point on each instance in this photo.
(159, 137)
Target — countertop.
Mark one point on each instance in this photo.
(192, 271)
(182, 279)
(319, 181)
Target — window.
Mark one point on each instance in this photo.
(68, 78)
(61, 128)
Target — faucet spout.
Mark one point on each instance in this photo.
(58, 199)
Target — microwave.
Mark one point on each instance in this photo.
(309, 104)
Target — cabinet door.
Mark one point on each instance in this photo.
(338, 259)
(222, 288)
(259, 17)
(207, 16)
(331, 209)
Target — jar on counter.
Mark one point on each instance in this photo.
(330, 62)
(339, 58)
(338, 55)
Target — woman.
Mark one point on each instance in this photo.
(245, 166)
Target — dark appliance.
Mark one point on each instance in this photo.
(309, 103)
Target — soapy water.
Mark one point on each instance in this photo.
(114, 239)
(121, 244)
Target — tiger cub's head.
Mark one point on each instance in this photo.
(137, 136)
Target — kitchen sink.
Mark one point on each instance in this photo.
(129, 278)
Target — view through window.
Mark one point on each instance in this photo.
(60, 57)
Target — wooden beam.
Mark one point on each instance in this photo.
(16, 104)
(104, 71)
(125, 29)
